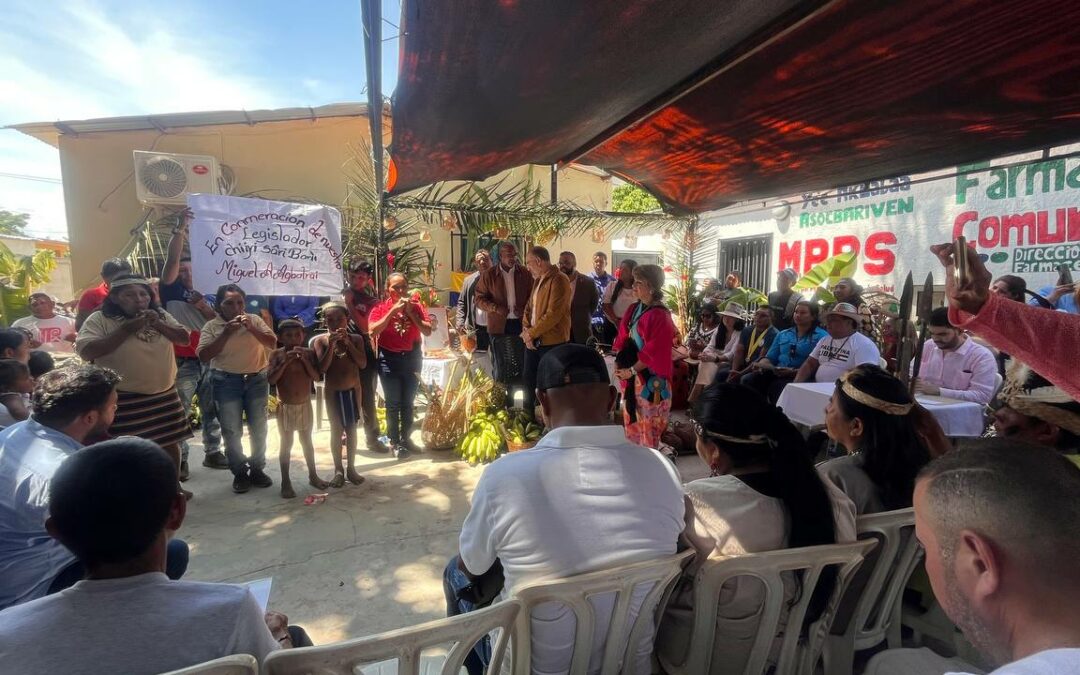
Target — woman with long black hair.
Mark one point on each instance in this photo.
(618, 297)
(762, 495)
(874, 418)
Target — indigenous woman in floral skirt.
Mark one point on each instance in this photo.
(643, 348)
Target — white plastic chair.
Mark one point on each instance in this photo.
(237, 664)
(799, 651)
(915, 662)
(574, 592)
(876, 615)
(405, 645)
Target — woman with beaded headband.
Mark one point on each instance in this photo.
(874, 418)
(763, 495)
(132, 335)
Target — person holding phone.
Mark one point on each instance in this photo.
(1064, 295)
(1047, 341)
(398, 322)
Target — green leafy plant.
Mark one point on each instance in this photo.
(632, 199)
(18, 276)
(823, 276)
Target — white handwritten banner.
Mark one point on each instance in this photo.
(268, 248)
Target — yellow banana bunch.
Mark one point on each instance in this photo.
(481, 443)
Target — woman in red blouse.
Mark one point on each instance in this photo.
(398, 323)
(646, 334)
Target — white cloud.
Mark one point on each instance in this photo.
(75, 61)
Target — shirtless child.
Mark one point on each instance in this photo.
(341, 358)
(292, 370)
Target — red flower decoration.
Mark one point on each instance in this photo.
(390, 259)
(669, 269)
(684, 277)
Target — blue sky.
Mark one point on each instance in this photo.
(82, 59)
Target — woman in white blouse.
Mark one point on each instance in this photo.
(763, 495)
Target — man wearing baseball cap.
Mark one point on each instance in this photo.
(782, 302)
(843, 349)
(584, 499)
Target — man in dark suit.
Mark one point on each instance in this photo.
(502, 292)
(583, 298)
(469, 316)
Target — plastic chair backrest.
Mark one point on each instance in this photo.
(237, 664)
(897, 554)
(574, 593)
(799, 650)
(405, 645)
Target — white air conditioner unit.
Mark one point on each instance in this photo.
(167, 178)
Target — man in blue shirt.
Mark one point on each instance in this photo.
(299, 307)
(602, 279)
(72, 406)
(1063, 298)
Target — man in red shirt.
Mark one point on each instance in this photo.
(92, 299)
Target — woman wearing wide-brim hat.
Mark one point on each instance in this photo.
(732, 322)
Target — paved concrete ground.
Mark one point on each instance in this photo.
(368, 559)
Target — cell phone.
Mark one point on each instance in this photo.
(1064, 276)
(963, 273)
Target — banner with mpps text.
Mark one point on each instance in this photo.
(268, 248)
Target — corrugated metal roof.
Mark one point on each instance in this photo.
(49, 132)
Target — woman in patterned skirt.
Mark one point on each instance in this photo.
(646, 335)
(132, 335)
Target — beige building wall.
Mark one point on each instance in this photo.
(279, 160)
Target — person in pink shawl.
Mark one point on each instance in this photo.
(1046, 340)
(643, 361)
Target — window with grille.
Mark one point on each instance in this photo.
(750, 255)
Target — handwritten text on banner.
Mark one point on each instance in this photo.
(268, 248)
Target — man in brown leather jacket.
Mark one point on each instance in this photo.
(502, 292)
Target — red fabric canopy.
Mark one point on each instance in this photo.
(706, 104)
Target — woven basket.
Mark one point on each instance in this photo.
(515, 447)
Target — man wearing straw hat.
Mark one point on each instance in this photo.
(843, 349)
(1036, 411)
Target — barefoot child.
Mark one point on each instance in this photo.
(341, 357)
(15, 385)
(292, 370)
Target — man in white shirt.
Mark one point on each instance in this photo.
(1000, 528)
(114, 505)
(583, 499)
(50, 331)
(843, 349)
(955, 366)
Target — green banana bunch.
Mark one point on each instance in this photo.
(520, 429)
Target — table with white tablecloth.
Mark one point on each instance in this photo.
(804, 403)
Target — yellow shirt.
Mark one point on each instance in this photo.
(145, 362)
(243, 353)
